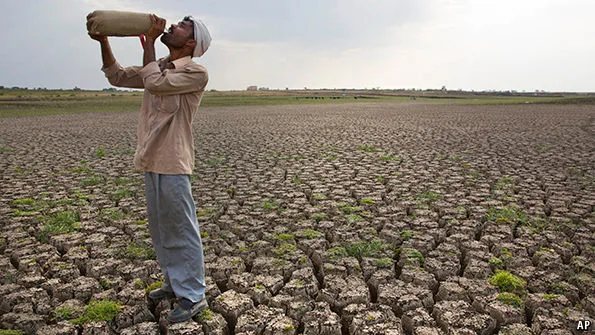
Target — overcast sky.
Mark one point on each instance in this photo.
(462, 44)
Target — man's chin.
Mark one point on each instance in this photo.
(164, 38)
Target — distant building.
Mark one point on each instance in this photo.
(252, 88)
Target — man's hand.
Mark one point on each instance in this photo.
(151, 36)
(99, 38)
(156, 29)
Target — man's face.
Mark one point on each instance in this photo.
(178, 34)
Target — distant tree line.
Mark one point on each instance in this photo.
(74, 89)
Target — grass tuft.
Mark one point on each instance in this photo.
(24, 202)
(428, 196)
(91, 180)
(384, 262)
(153, 286)
(311, 234)
(297, 180)
(68, 313)
(284, 250)
(337, 253)
(269, 205)
(100, 152)
(319, 217)
(510, 299)
(284, 237)
(350, 209)
(353, 218)
(11, 332)
(134, 251)
(367, 148)
(549, 296)
(123, 181)
(103, 310)
(407, 234)
(216, 161)
(496, 262)
(507, 282)
(60, 223)
(412, 256)
(120, 194)
(367, 201)
(504, 182)
(366, 249)
(205, 315)
(509, 214)
(113, 214)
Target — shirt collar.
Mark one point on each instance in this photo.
(178, 63)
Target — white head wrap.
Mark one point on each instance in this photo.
(202, 38)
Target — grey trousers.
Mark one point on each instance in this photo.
(175, 234)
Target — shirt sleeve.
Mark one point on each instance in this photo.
(172, 82)
(123, 77)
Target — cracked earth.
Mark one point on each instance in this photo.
(372, 218)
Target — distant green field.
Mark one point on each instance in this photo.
(19, 103)
(30, 103)
(223, 100)
(514, 100)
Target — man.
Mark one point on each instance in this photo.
(173, 90)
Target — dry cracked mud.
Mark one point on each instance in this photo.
(319, 219)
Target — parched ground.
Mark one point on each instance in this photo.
(321, 219)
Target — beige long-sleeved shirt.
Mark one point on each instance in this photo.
(172, 96)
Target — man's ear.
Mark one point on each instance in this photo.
(191, 44)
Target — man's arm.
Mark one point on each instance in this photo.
(117, 76)
(151, 36)
(107, 55)
(192, 79)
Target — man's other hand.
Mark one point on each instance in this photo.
(157, 28)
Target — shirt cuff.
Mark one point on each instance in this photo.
(111, 70)
(149, 69)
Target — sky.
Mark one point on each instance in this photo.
(521, 45)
